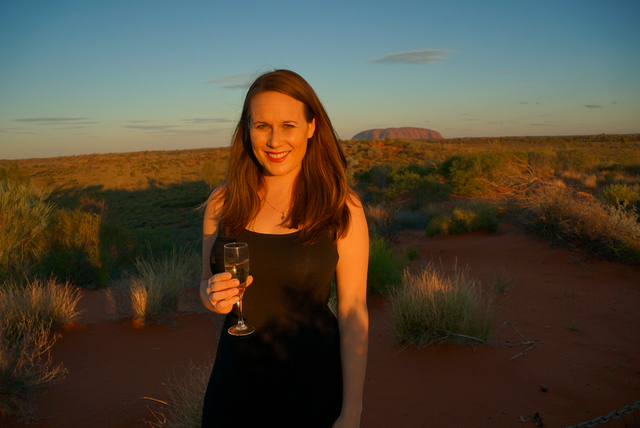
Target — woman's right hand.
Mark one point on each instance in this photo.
(222, 291)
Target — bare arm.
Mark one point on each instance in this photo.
(353, 317)
(218, 292)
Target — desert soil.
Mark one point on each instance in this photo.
(579, 317)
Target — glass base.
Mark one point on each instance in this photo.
(241, 330)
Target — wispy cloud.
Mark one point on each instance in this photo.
(592, 106)
(150, 127)
(51, 119)
(235, 81)
(209, 120)
(424, 56)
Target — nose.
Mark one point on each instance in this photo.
(275, 139)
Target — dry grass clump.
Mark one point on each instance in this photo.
(27, 313)
(557, 211)
(155, 288)
(186, 398)
(432, 307)
(24, 215)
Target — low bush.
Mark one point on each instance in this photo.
(479, 216)
(620, 195)
(475, 174)
(431, 307)
(74, 251)
(415, 187)
(570, 161)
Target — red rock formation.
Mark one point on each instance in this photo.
(407, 133)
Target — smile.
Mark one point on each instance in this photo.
(277, 156)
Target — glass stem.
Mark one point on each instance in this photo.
(241, 325)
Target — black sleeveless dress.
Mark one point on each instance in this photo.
(288, 372)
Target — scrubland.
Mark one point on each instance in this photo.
(131, 223)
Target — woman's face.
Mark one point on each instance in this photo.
(279, 132)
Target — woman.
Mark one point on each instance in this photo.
(286, 194)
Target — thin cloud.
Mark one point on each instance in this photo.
(150, 127)
(424, 56)
(209, 120)
(592, 106)
(50, 119)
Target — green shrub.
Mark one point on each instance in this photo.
(475, 173)
(433, 308)
(385, 268)
(570, 160)
(418, 188)
(438, 225)
(620, 194)
(480, 216)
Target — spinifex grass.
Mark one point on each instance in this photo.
(186, 398)
(27, 313)
(432, 307)
(156, 287)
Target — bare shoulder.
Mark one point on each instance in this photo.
(358, 231)
(356, 210)
(214, 204)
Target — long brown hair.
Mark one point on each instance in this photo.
(320, 191)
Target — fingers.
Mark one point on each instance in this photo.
(223, 291)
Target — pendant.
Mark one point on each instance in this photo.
(282, 218)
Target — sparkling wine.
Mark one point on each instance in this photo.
(239, 271)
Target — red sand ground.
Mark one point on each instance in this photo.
(589, 371)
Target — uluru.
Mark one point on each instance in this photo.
(406, 133)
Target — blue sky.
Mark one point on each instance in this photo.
(81, 77)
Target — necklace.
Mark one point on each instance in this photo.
(281, 212)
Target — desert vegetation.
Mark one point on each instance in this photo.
(131, 223)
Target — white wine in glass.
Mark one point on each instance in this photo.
(236, 262)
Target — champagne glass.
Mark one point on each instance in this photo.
(236, 261)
